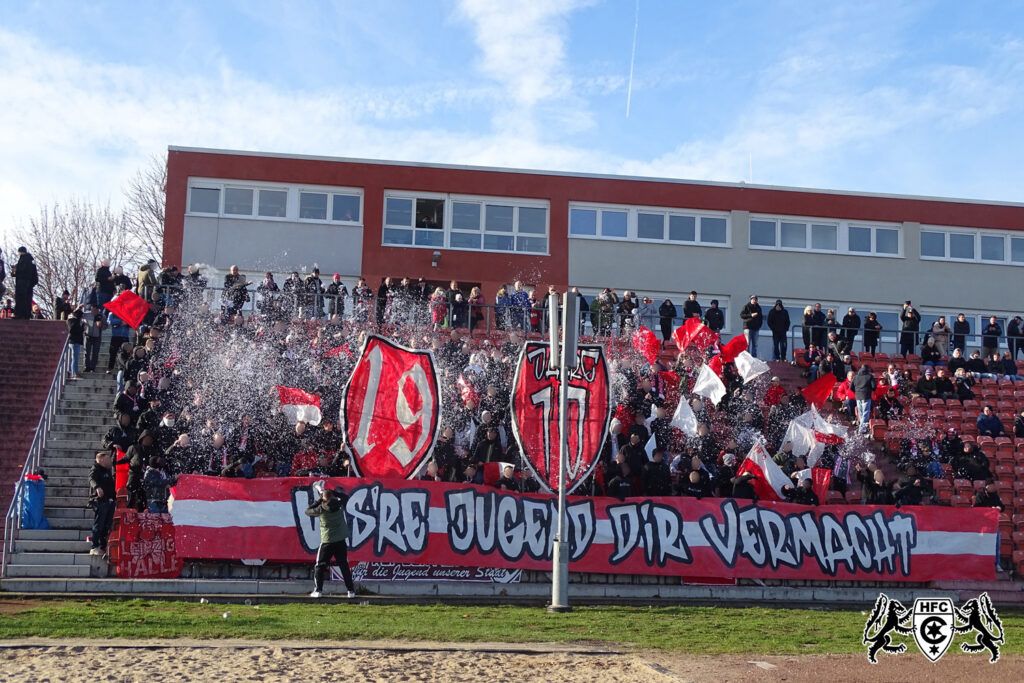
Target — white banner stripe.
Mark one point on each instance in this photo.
(221, 514)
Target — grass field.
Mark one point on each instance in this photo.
(693, 630)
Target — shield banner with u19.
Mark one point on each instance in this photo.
(391, 411)
(535, 417)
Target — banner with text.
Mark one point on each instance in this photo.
(418, 522)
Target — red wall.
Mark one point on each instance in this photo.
(492, 269)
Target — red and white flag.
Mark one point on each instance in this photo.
(732, 348)
(694, 332)
(769, 477)
(708, 385)
(299, 406)
(820, 478)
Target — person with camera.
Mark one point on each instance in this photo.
(330, 508)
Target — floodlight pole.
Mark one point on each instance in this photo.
(566, 360)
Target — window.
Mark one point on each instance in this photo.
(824, 237)
(635, 223)
(794, 235)
(887, 241)
(246, 200)
(313, 205)
(273, 203)
(961, 246)
(933, 244)
(462, 222)
(1017, 249)
(992, 248)
(762, 233)
(204, 200)
(238, 201)
(860, 239)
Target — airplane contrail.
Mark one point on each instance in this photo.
(632, 59)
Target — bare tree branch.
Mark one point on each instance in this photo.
(146, 197)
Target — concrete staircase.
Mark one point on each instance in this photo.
(62, 551)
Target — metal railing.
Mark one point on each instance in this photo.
(13, 520)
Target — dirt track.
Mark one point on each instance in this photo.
(182, 660)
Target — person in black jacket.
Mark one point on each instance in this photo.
(803, 494)
(137, 458)
(691, 308)
(851, 325)
(961, 328)
(667, 311)
(988, 497)
(872, 331)
(1015, 336)
(234, 295)
(657, 478)
(102, 500)
(76, 338)
(714, 318)
(26, 277)
(911, 320)
(990, 335)
(752, 321)
(778, 323)
(122, 435)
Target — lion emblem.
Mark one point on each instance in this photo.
(980, 616)
(887, 616)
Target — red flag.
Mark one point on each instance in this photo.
(693, 331)
(297, 405)
(671, 382)
(733, 348)
(467, 391)
(129, 307)
(647, 344)
(817, 392)
(820, 477)
(337, 351)
(716, 365)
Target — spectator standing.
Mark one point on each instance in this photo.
(1015, 336)
(62, 306)
(93, 335)
(477, 303)
(778, 323)
(851, 325)
(864, 386)
(104, 283)
(714, 318)
(692, 308)
(102, 500)
(819, 331)
(806, 324)
(76, 338)
(502, 301)
(752, 320)
(336, 292)
(330, 509)
(118, 336)
(990, 335)
(26, 277)
(941, 334)
(961, 328)
(872, 332)
(911, 320)
(234, 296)
(667, 312)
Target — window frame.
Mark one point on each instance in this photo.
(842, 227)
(978, 234)
(292, 192)
(633, 212)
(482, 201)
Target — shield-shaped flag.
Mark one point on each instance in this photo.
(933, 626)
(391, 411)
(535, 394)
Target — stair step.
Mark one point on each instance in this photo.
(71, 523)
(80, 459)
(50, 558)
(52, 534)
(49, 570)
(60, 512)
(76, 473)
(51, 546)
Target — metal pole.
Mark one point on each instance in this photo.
(560, 556)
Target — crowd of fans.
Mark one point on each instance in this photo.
(196, 385)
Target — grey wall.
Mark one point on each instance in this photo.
(739, 271)
(256, 246)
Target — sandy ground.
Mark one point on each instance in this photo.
(269, 662)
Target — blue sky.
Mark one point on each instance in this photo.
(902, 97)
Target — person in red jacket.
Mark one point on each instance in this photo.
(775, 392)
(845, 393)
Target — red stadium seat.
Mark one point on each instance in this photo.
(961, 501)
(1018, 471)
(835, 498)
(963, 486)
(1018, 540)
(1003, 472)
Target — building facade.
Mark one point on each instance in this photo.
(658, 237)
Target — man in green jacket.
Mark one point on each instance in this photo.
(330, 508)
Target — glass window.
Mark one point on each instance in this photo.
(204, 200)
(533, 220)
(498, 242)
(273, 203)
(993, 248)
(583, 222)
(430, 214)
(887, 241)
(1017, 249)
(933, 244)
(650, 226)
(536, 245)
(465, 240)
(430, 238)
(398, 211)
(498, 218)
(712, 230)
(890, 322)
(682, 228)
(794, 235)
(345, 208)
(762, 233)
(466, 216)
(613, 223)
(397, 236)
(824, 237)
(860, 239)
(238, 201)
(961, 246)
(313, 205)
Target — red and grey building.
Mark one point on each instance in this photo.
(660, 237)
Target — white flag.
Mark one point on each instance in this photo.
(749, 367)
(650, 446)
(708, 385)
(684, 419)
